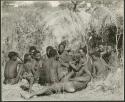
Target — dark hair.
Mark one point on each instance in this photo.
(12, 54)
(52, 53)
(49, 47)
(84, 49)
(26, 57)
(62, 43)
(32, 48)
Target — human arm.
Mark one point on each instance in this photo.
(63, 63)
(72, 65)
(21, 60)
(21, 70)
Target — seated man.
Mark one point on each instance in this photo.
(100, 67)
(11, 72)
(110, 56)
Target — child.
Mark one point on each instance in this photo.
(29, 72)
(32, 50)
(38, 64)
(10, 72)
(100, 68)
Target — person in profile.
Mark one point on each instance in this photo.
(11, 68)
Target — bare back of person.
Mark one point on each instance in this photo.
(10, 72)
(50, 67)
(11, 69)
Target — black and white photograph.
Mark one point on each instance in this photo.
(62, 50)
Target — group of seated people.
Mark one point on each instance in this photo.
(59, 69)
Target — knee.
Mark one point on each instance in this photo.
(71, 90)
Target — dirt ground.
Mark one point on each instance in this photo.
(95, 91)
(12, 93)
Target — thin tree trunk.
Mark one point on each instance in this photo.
(117, 45)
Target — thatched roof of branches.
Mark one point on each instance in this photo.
(102, 17)
(66, 24)
(73, 26)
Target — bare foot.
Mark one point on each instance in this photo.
(25, 95)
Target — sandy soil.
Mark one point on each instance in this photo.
(94, 91)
